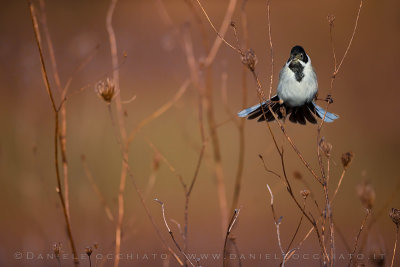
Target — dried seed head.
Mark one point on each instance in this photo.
(297, 175)
(88, 251)
(347, 159)
(366, 193)
(57, 249)
(250, 59)
(325, 146)
(395, 216)
(305, 193)
(105, 90)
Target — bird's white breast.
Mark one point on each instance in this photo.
(295, 93)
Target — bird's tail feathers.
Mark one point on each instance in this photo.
(299, 115)
(329, 117)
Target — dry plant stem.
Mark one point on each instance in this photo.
(309, 217)
(171, 233)
(338, 186)
(277, 223)
(395, 245)
(63, 130)
(163, 241)
(122, 129)
(221, 33)
(271, 48)
(297, 229)
(336, 67)
(187, 191)
(240, 125)
(96, 189)
(358, 236)
(56, 128)
(209, 104)
(187, 46)
(228, 232)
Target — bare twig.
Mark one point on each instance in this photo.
(277, 223)
(56, 128)
(241, 123)
(228, 232)
(358, 236)
(63, 130)
(395, 245)
(221, 32)
(171, 233)
(122, 128)
(271, 48)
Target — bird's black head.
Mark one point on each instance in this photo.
(298, 53)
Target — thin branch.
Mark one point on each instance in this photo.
(221, 33)
(122, 128)
(140, 194)
(62, 133)
(171, 233)
(358, 236)
(395, 245)
(277, 223)
(351, 39)
(338, 186)
(228, 232)
(271, 48)
(56, 128)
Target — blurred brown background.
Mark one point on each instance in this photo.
(365, 96)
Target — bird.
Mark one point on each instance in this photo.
(296, 94)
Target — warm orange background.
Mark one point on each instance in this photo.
(365, 93)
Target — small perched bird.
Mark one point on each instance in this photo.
(297, 90)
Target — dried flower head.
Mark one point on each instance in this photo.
(395, 216)
(305, 193)
(57, 249)
(105, 90)
(325, 146)
(250, 59)
(88, 251)
(366, 193)
(297, 175)
(347, 158)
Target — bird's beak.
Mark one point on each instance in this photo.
(297, 57)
